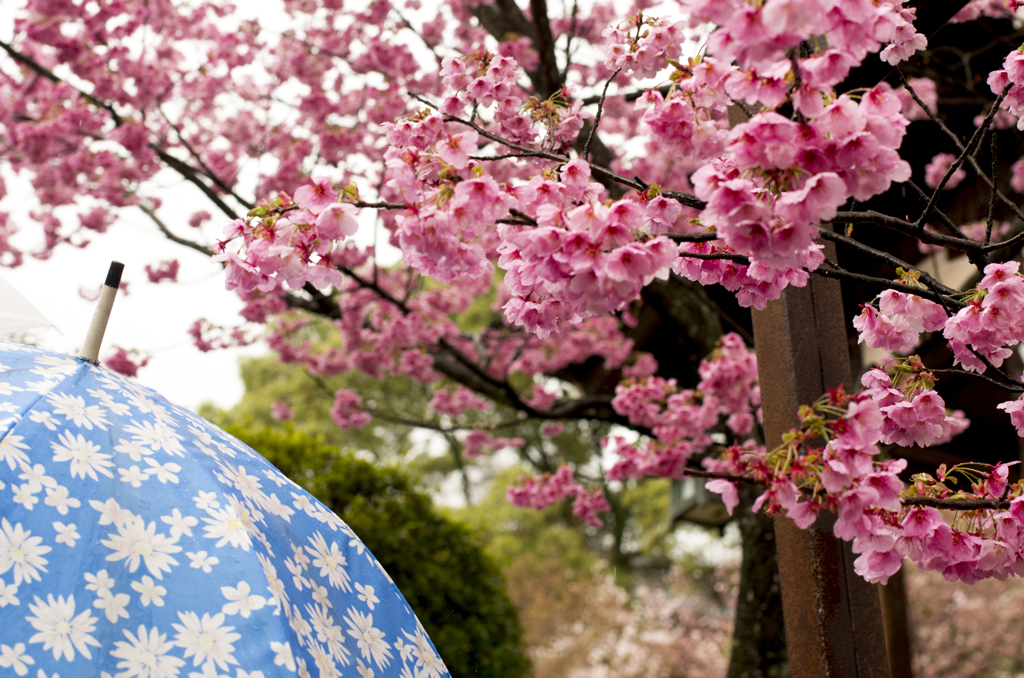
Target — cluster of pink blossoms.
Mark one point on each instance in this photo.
(478, 442)
(897, 324)
(582, 259)
(454, 402)
(1012, 74)
(885, 521)
(756, 35)
(937, 168)
(988, 323)
(289, 243)
(681, 420)
(542, 492)
(642, 45)
(691, 119)
(781, 178)
(914, 414)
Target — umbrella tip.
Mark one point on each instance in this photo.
(93, 339)
(114, 274)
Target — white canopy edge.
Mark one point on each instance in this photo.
(17, 314)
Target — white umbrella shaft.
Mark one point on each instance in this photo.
(91, 348)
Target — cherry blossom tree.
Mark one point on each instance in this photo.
(617, 187)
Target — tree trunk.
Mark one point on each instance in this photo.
(759, 636)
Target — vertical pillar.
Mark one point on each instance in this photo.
(833, 617)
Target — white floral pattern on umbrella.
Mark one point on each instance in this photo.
(137, 540)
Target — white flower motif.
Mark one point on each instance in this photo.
(274, 507)
(101, 582)
(428, 664)
(8, 594)
(85, 457)
(145, 655)
(283, 655)
(12, 450)
(150, 592)
(58, 498)
(15, 657)
(107, 401)
(279, 596)
(241, 602)
(323, 662)
(328, 632)
(111, 512)
(50, 366)
(206, 639)
(276, 477)
(298, 580)
(132, 475)
(180, 524)
(66, 534)
(369, 639)
(113, 605)
(36, 477)
(44, 418)
(229, 525)
(133, 448)
(165, 473)
(24, 495)
(157, 437)
(74, 410)
(320, 595)
(206, 500)
(302, 502)
(299, 625)
(201, 561)
(135, 540)
(331, 562)
(366, 595)
(21, 551)
(60, 630)
(7, 389)
(364, 671)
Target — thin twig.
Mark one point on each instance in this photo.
(600, 110)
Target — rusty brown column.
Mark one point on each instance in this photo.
(833, 617)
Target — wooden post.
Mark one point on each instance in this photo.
(833, 617)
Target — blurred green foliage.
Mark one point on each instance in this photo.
(457, 590)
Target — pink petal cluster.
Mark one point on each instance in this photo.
(847, 478)
(642, 45)
(454, 402)
(692, 119)
(581, 260)
(1012, 74)
(991, 322)
(681, 420)
(479, 442)
(297, 247)
(347, 410)
(897, 324)
(757, 35)
(935, 170)
(913, 415)
(542, 492)
(121, 361)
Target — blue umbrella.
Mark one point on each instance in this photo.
(139, 540)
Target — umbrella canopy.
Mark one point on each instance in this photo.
(17, 313)
(139, 540)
